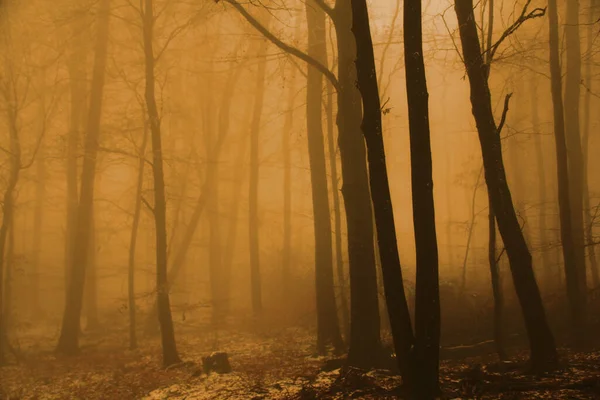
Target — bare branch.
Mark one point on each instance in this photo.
(283, 46)
(504, 113)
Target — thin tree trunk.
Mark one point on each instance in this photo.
(286, 262)
(169, 347)
(574, 148)
(541, 340)
(574, 294)
(328, 330)
(541, 173)
(68, 342)
(38, 218)
(589, 228)
(496, 285)
(427, 301)
(91, 285)
(133, 239)
(380, 194)
(337, 213)
(78, 88)
(253, 220)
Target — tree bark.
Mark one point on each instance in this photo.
(365, 342)
(380, 192)
(574, 149)
(68, 342)
(541, 340)
(337, 214)
(169, 347)
(427, 301)
(328, 330)
(574, 294)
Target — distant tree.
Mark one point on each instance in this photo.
(68, 342)
(574, 290)
(169, 347)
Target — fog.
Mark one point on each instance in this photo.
(220, 226)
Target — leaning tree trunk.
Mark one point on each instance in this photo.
(169, 347)
(328, 330)
(68, 342)
(541, 340)
(427, 301)
(380, 194)
(574, 290)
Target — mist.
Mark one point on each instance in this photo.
(299, 199)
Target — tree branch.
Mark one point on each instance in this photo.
(525, 16)
(283, 46)
(504, 113)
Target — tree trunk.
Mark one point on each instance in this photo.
(133, 239)
(541, 173)
(574, 292)
(589, 228)
(337, 214)
(68, 342)
(38, 216)
(380, 193)
(91, 284)
(427, 301)
(328, 330)
(78, 88)
(541, 340)
(496, 285)
(365, 342)
(253, 220)
(574, 149)
(169, 347)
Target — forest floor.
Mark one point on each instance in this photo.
(279, 365)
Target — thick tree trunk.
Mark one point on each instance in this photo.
(328, 330)
(569, 245)
(38, 219)
(169, 348)
(68, 342)
(133, 238)
(365, 342)
(574, 149)
(427, 301)
(380, 193)
(541, 340)
(337, 214)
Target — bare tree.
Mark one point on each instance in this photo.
(68, 342)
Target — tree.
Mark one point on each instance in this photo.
(68, 342)
(328, 330)
(567, 227)
(574, 150)
(541, 339)
(427, 302)
(169, 347)
(380, 192)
